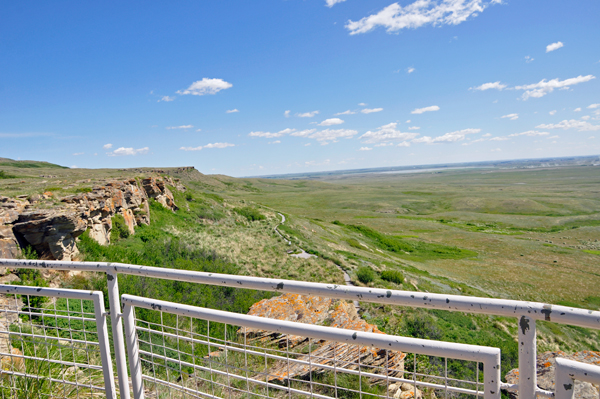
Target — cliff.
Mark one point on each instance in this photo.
(51, 229)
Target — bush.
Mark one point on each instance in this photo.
(32, 278)
(119, 228)
(365, 274)
(422, 326)
(393, 276)
(250, 213)
(337, 222)
(4, 175)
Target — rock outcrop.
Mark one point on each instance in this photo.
(545, 373)
(52, 232)
(321, 311)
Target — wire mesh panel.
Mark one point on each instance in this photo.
(52, 344)
(185, 354)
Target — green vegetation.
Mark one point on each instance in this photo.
(4, 175)
(393, 276)
(592, 251)
(252, 214)
(119, 228)
(365, 274)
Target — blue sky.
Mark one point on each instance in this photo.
(264, 87)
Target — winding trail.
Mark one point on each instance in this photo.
(306, 255)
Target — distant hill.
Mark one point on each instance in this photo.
(28, 164)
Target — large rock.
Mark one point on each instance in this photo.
(51, 233)
(321, 311)
(156, 188)
(546, 363)
(10, 209)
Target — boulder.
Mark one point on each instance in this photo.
(156, 188)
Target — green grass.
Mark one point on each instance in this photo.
(250, 213)
(592, 251)
(4, 175)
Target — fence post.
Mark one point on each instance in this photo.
(117, 331)
(491, 377)
(104, 344)
(527, 358)
(133, 350)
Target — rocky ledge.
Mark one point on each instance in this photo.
(52, 232)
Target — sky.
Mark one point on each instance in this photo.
(249, 88)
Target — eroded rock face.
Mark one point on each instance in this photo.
(156, 188)
(546, 363)
(320, 311)
(9, 212)
(51, 233)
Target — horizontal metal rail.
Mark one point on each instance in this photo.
(490, 357)
(491, 306)
(568, 371)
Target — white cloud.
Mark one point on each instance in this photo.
(544, 87)
(487, 135)
(307, 114)
(585, 117)
(231, 111)
(491, 85)
(275, 142)
(365, 149)
(582, 126)
(303, 133)
(593, 106)
(498, 138)
(287, 113)
(529, 59)
(198, 130)
(331, 122)
(410, 70)
(331, 3)
(408, 121)
(206, 86)
(78, 153)
(332, 135)
(554, 46)
(179, 127)
(387, 133)
(496, 150)
(211, 145)
(451, 137)
(362, 104)
(345, 113)
(577, 110)
(166, 99)
(404, 144)
(553, 137)
(426, 109)
(552, 112)
(107, 146)
(530, 133)
(128, 151)
(270, 135)
(512, 117)
(419, 13)
(414, 128)
(371, 110)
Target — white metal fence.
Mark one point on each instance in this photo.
(156, 355)
(54, 349)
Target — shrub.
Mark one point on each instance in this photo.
(365, 274)
(119, 228)
(250, 213)
(393, 276)
(4, 175)
(337, 222)
(31, 277)
(422, 326)
(83, 190)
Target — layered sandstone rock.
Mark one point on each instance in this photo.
(9, 212)
(156, 188)
(546, 363)
(321, 311)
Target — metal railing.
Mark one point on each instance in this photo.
(526, 312)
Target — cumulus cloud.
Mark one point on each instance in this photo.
(419, 13)
(331, 3)
(529, 59)
(491, 85)
(386, 133)
(593, 106)
(331, 122)
(107, 146)
(362, 104)
(275, 142)
(270, 135)
(577, 110)
(166, 99)
(308, 114)
(206, 86)
(287, 113)
(451, 137)
(345, 113)
(365, 149)
(231, 111)
(410, 70)
(211, 145)
(512, 117)
(552, 112)
(404, 144)
(179, 127)
(582, 126)
(128, 151)
(544, 87)
(78, 153)
(371, 110)
(530, 133)
(426, 109)
(332, 135)
(498, 138)
(302, 133)
(554, 46)
(414, 128)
